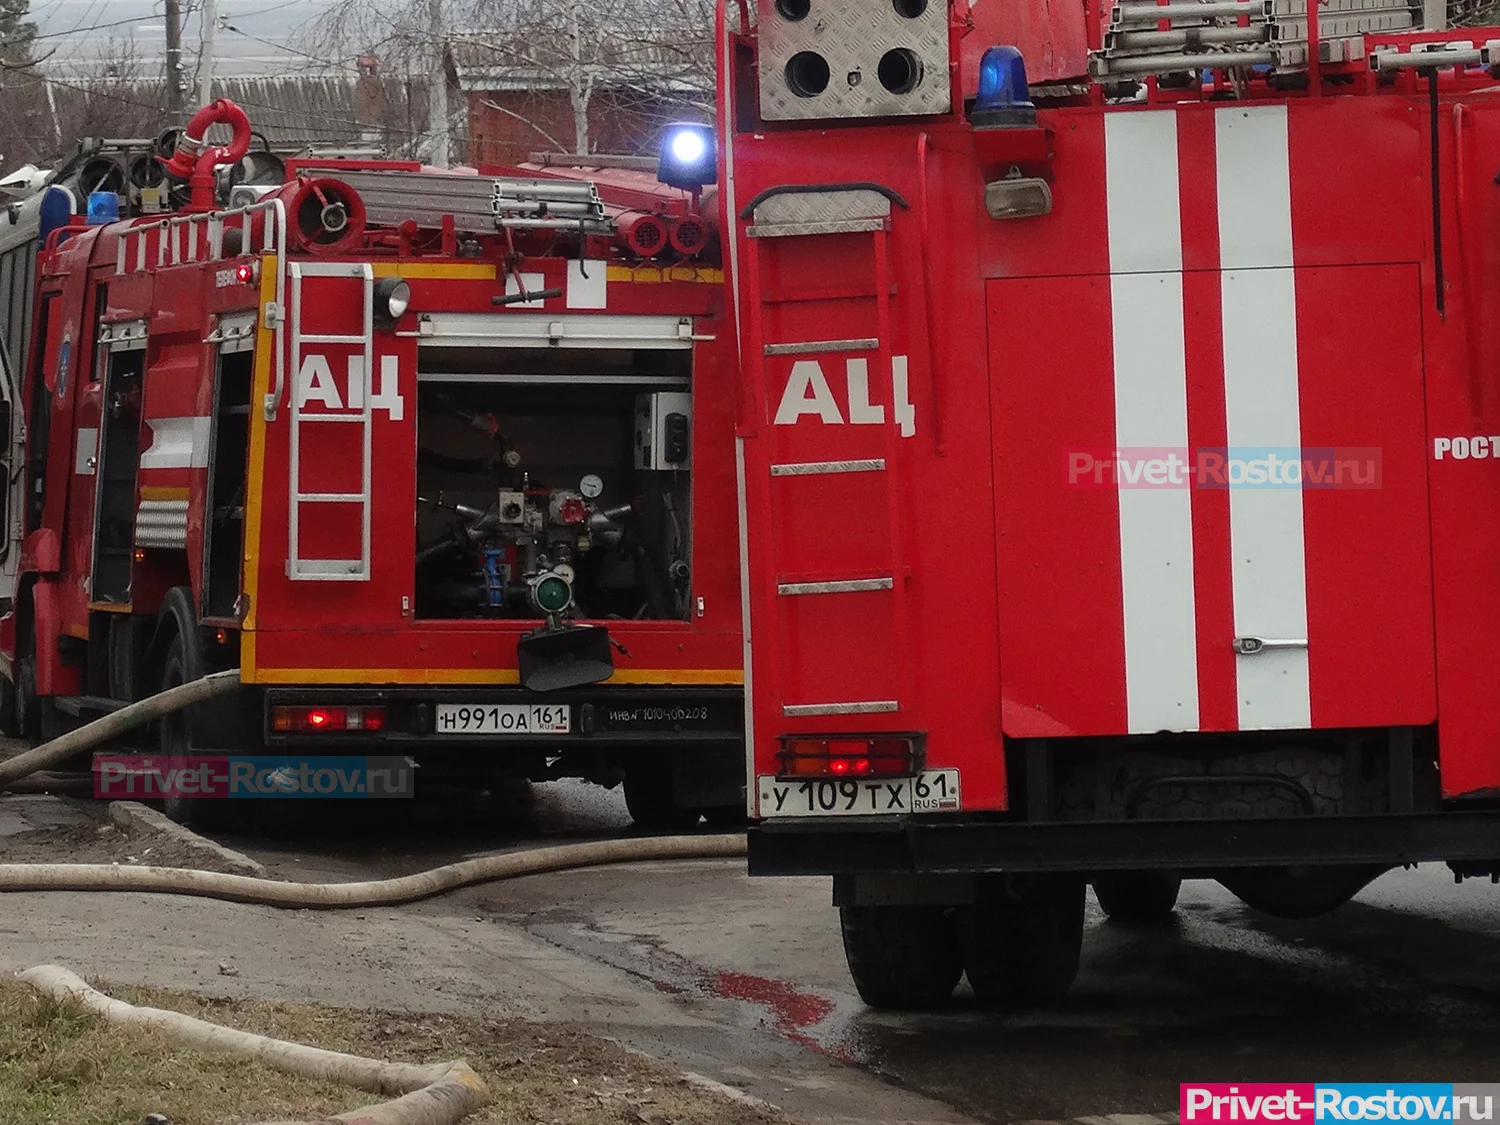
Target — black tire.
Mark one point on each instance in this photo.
(28, 709)
(902, 957)
(1138, 898)
(648, 797)
(10, 722)
(36, 718)
(1022, 938)
(210, 813)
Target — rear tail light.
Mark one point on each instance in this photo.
(848, 757)
(312, 720)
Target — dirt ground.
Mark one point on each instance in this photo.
(104, 842)
(62, 1066)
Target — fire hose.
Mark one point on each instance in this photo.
(116, 723)
(437, 1094)
(440, 1094)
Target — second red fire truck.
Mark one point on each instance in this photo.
(1119, 461)
(438, 461)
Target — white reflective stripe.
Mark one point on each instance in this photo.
(177, 443)
(1156, 524)
(588, 287)
(1145, 219)
(1262, 409)
(1254, 183)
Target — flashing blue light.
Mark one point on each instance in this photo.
(56, 211)
(688, 157)
(1002, 98)
(104, 207)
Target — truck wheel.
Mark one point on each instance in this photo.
(649, 799)
(1138, 898)
(212, 813)
(901, 957)
(1021, 938)
(36, 718)
(10, 724)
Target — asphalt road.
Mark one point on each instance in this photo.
(743, 980)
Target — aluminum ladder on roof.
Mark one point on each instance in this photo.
(799, 213)
(350, 569)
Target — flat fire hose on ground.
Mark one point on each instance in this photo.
(437, 1094)
(302, 896)
(440, 1094)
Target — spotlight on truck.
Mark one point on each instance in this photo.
(689, 158)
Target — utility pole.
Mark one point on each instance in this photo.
(206, 55)
(437, 86)
(174, 55)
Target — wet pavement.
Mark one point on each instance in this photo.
(743, 980)
(1402, 984)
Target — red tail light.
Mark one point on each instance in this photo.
(305, 720)
(852, 757)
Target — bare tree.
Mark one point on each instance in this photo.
(644, 58)
(636, 62)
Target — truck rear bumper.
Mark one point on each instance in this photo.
(811, 847)
(603, 716)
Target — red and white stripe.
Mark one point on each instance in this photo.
(1160, 569)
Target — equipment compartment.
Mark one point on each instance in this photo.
(533, 463)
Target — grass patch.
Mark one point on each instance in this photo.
(61, 1065)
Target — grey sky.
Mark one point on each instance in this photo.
(84, 29)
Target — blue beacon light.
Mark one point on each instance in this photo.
(1002, 100)
(104, 207)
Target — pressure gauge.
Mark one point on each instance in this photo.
(591, 486)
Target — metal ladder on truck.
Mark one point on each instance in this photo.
(352, 568)
(804, 590)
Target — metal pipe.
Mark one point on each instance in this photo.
(547, 189)
(1169, 64)
(1189, 36)
(544, 206)
(1153, 13)
(562, 222)
(1386, 62)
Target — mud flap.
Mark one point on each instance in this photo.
(553, 658)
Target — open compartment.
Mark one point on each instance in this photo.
(535, 461)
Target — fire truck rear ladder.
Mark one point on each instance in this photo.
(330, 570)
(813, 212)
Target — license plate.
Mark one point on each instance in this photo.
(504, 718)
(933, 791)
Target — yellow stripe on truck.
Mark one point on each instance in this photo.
(726, 677)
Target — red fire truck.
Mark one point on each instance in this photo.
(439, 461)
(1120, 461)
